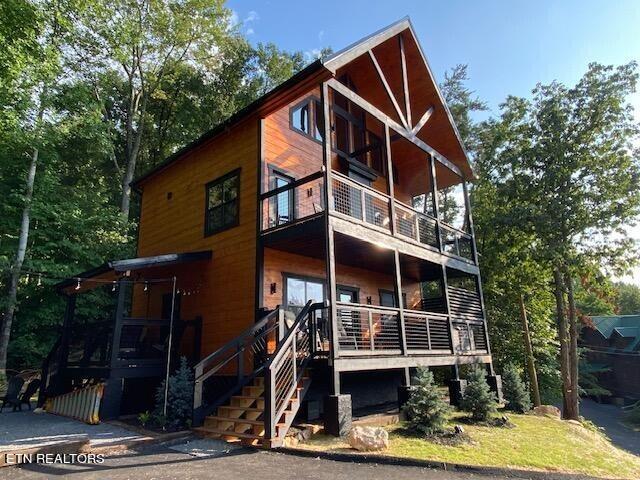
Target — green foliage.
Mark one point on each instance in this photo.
(628, 299)
(588, 379)
(144, 418)
(478, 399)
(632, 414)
(179, 398)
(516, 393)
(426, 410)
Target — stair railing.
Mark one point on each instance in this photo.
(286, 368)
(257, 342)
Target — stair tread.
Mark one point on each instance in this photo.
(248, 397)
(227, 433)
(246, 409)
(236, 420)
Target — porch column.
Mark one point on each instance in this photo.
(398, 288)
(436, 203)
(391, 190)
(456, 386)
(329, 245)
(112, 397)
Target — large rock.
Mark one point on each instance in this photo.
(367, 439)
(547, 411)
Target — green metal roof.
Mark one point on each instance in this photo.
(627, 326)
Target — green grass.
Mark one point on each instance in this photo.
(537, 443)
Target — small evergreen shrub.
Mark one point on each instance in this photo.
(516, 393)
(478, 399)
(179, 398)
(426, 410)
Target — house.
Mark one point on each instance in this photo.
(612, 342)
(306, 254)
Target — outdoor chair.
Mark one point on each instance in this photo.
(32, 388)
(13, 391)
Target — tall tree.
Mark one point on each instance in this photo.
(36, 78)
(568, 162)
(145, 42)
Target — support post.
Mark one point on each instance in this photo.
(337, 415)
(329, 245)
(436, 203)
(390, 187)
(398, 288)
(456, 386)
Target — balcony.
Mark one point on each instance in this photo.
(303, 200)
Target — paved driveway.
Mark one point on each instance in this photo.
(215, 461)
(610, 417)
(28, 429)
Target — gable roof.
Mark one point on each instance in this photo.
(328, 66)
(626, 326)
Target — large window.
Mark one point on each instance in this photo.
(223, 203)
(306, 118)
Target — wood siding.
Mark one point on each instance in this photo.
(222, 289)
(277, 263)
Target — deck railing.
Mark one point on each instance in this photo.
(427, 332)
(456, 242)
(360, 202)
(416, 225)
(304, 198)
(470, 336)
(293, 202)
(365, 329)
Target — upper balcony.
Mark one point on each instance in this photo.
(374, 177)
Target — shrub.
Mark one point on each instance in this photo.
(478, 399)
(179, 398)
(516, 393)
(426, 410)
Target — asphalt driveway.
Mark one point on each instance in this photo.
(610, 418)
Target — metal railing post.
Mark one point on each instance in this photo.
(269, 404)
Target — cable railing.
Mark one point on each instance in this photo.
(365, 329)
(456, 242)
(427, 332)
(360, 202)
(416, 225)
(304, 198)
(470, 336)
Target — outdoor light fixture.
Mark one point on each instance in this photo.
(146, 286)
(39, 280)
(78, 285)
(113, 288)
(273, 288)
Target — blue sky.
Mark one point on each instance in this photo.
(509, 46)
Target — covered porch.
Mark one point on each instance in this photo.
(125, 320)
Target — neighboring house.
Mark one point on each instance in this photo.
(613, 343)
(326, 225)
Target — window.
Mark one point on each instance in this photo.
(222, 207)
(307, 118)
(281, 206)
(388, 298)
(299, 290)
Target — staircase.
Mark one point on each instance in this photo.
(261, 406)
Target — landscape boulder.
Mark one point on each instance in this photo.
(547, 410)
(367, 439)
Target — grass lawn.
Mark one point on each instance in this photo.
(537, 443)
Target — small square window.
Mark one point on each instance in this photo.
(307, 118)
(222, 204)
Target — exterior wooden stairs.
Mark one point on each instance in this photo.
(261, 406)
(242, 420)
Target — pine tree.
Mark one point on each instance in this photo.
(179, 398)
(478, 399)
(426, 410)
(515, 391)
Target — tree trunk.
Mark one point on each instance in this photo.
(134, 139)
(573, 350)
(564, 342)
(531, 366)
(5, 332)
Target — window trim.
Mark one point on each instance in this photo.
(221, 179)
(309, 99)
(273, 173)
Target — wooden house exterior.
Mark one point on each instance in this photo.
(336, 213)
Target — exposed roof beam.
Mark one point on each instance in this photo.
(383, 117)
(405, 81)
(424, 119)
(353, 51)
(392, 97)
